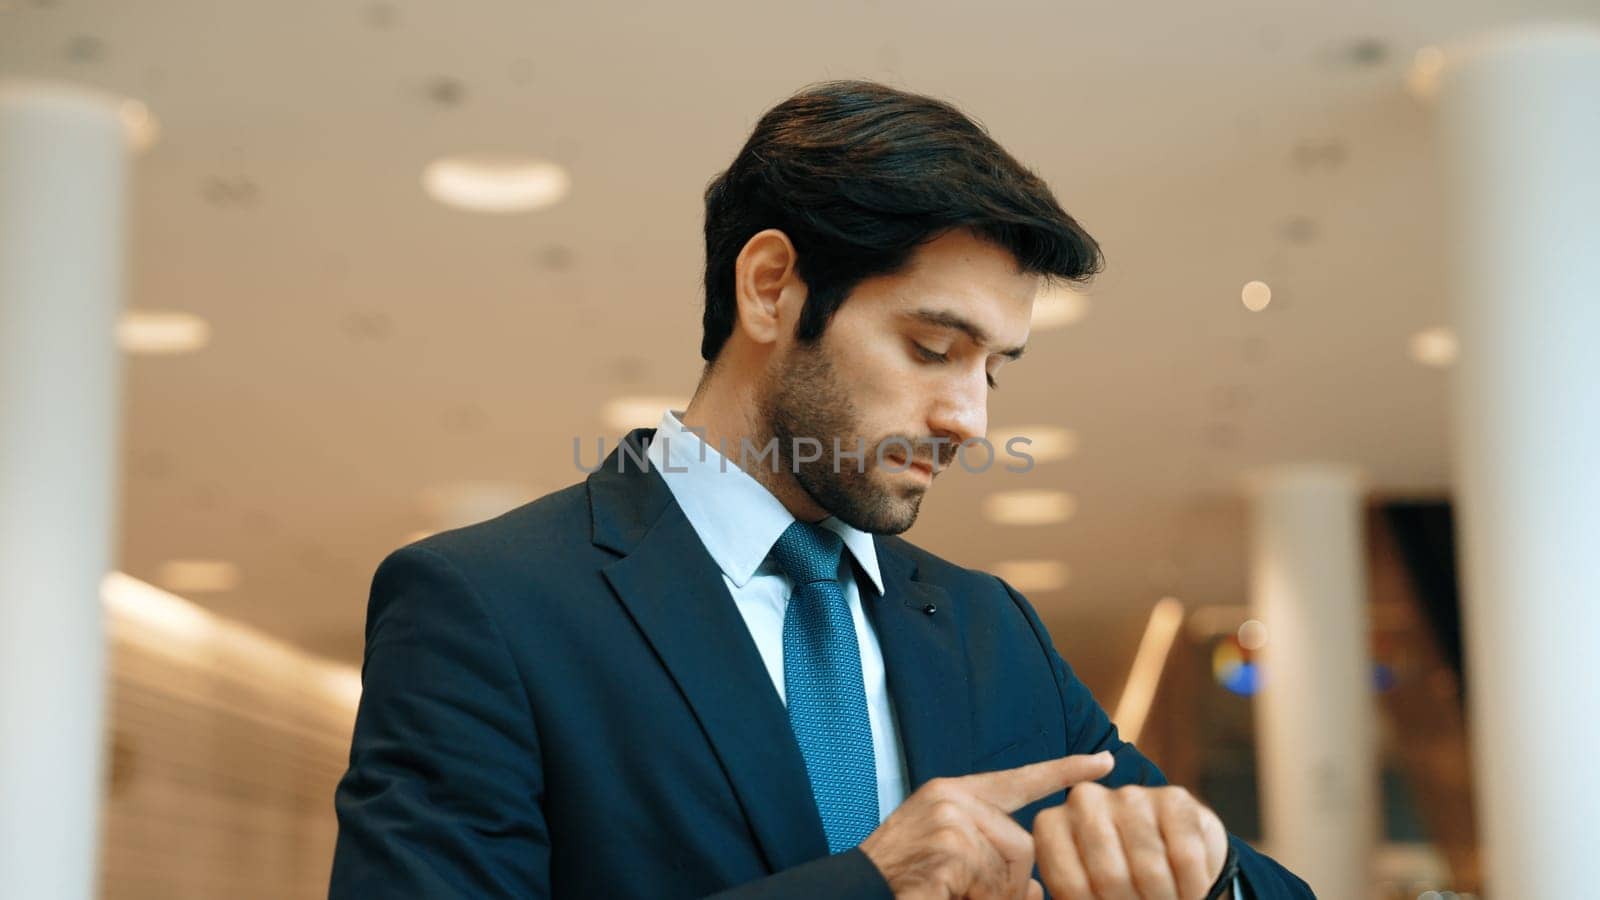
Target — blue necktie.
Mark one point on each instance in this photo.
(822, 680)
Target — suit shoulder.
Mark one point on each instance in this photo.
(542, 531)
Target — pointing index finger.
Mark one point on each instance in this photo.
(1012, 789)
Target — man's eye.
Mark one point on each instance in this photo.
(929, 355)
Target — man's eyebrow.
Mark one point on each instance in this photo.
(946, 319)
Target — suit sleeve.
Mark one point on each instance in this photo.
(1090, 730)
(442, 797)
(842, 876)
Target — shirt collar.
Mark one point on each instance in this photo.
(736, 517)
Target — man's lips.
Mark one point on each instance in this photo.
(920, 466)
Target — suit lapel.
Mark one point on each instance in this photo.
(924, 659)
(674, 592)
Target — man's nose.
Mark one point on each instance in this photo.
(963, 412)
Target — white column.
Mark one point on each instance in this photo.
(62, 171)
(1315, 725)
(1519, 118)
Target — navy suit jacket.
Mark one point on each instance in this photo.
(564, 702)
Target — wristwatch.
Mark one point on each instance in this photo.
(1224, 889)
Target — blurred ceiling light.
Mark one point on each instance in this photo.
(1048, 443)
(495, 184)
(161, 332)
(1133, 707)
(1029, 507)
(1435, 347)
(198, 576)
(1256, 295)
(1252, 635)
(1058, 305)
(1033, 574)
(1422, 79)
(139, 125)
(623, 414)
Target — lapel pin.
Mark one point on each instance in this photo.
(930, 609)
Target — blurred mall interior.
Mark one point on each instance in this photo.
(286, 286)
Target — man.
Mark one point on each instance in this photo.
(710, 668)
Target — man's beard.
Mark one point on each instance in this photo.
(805, 399)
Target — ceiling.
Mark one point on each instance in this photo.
(371, 347)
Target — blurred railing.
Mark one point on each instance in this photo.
(226, 746)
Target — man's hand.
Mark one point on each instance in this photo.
(955, 836)
(1129, 842)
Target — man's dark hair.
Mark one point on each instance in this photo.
(858, 175)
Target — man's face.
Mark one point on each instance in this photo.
(907, 358)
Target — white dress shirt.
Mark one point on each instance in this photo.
(738, 520)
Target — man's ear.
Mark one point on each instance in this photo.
(768, 292)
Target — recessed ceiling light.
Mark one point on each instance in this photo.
(139, 125)
(1256, 295)
(1029, 507)
(1047, 443)
(161, 331)
(1422, 79)
(624, 414)
(1435, 347)
(1033, 574)
(1058, 305)
(198, 576)
(495, 183)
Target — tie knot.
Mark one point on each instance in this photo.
(808, 553)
